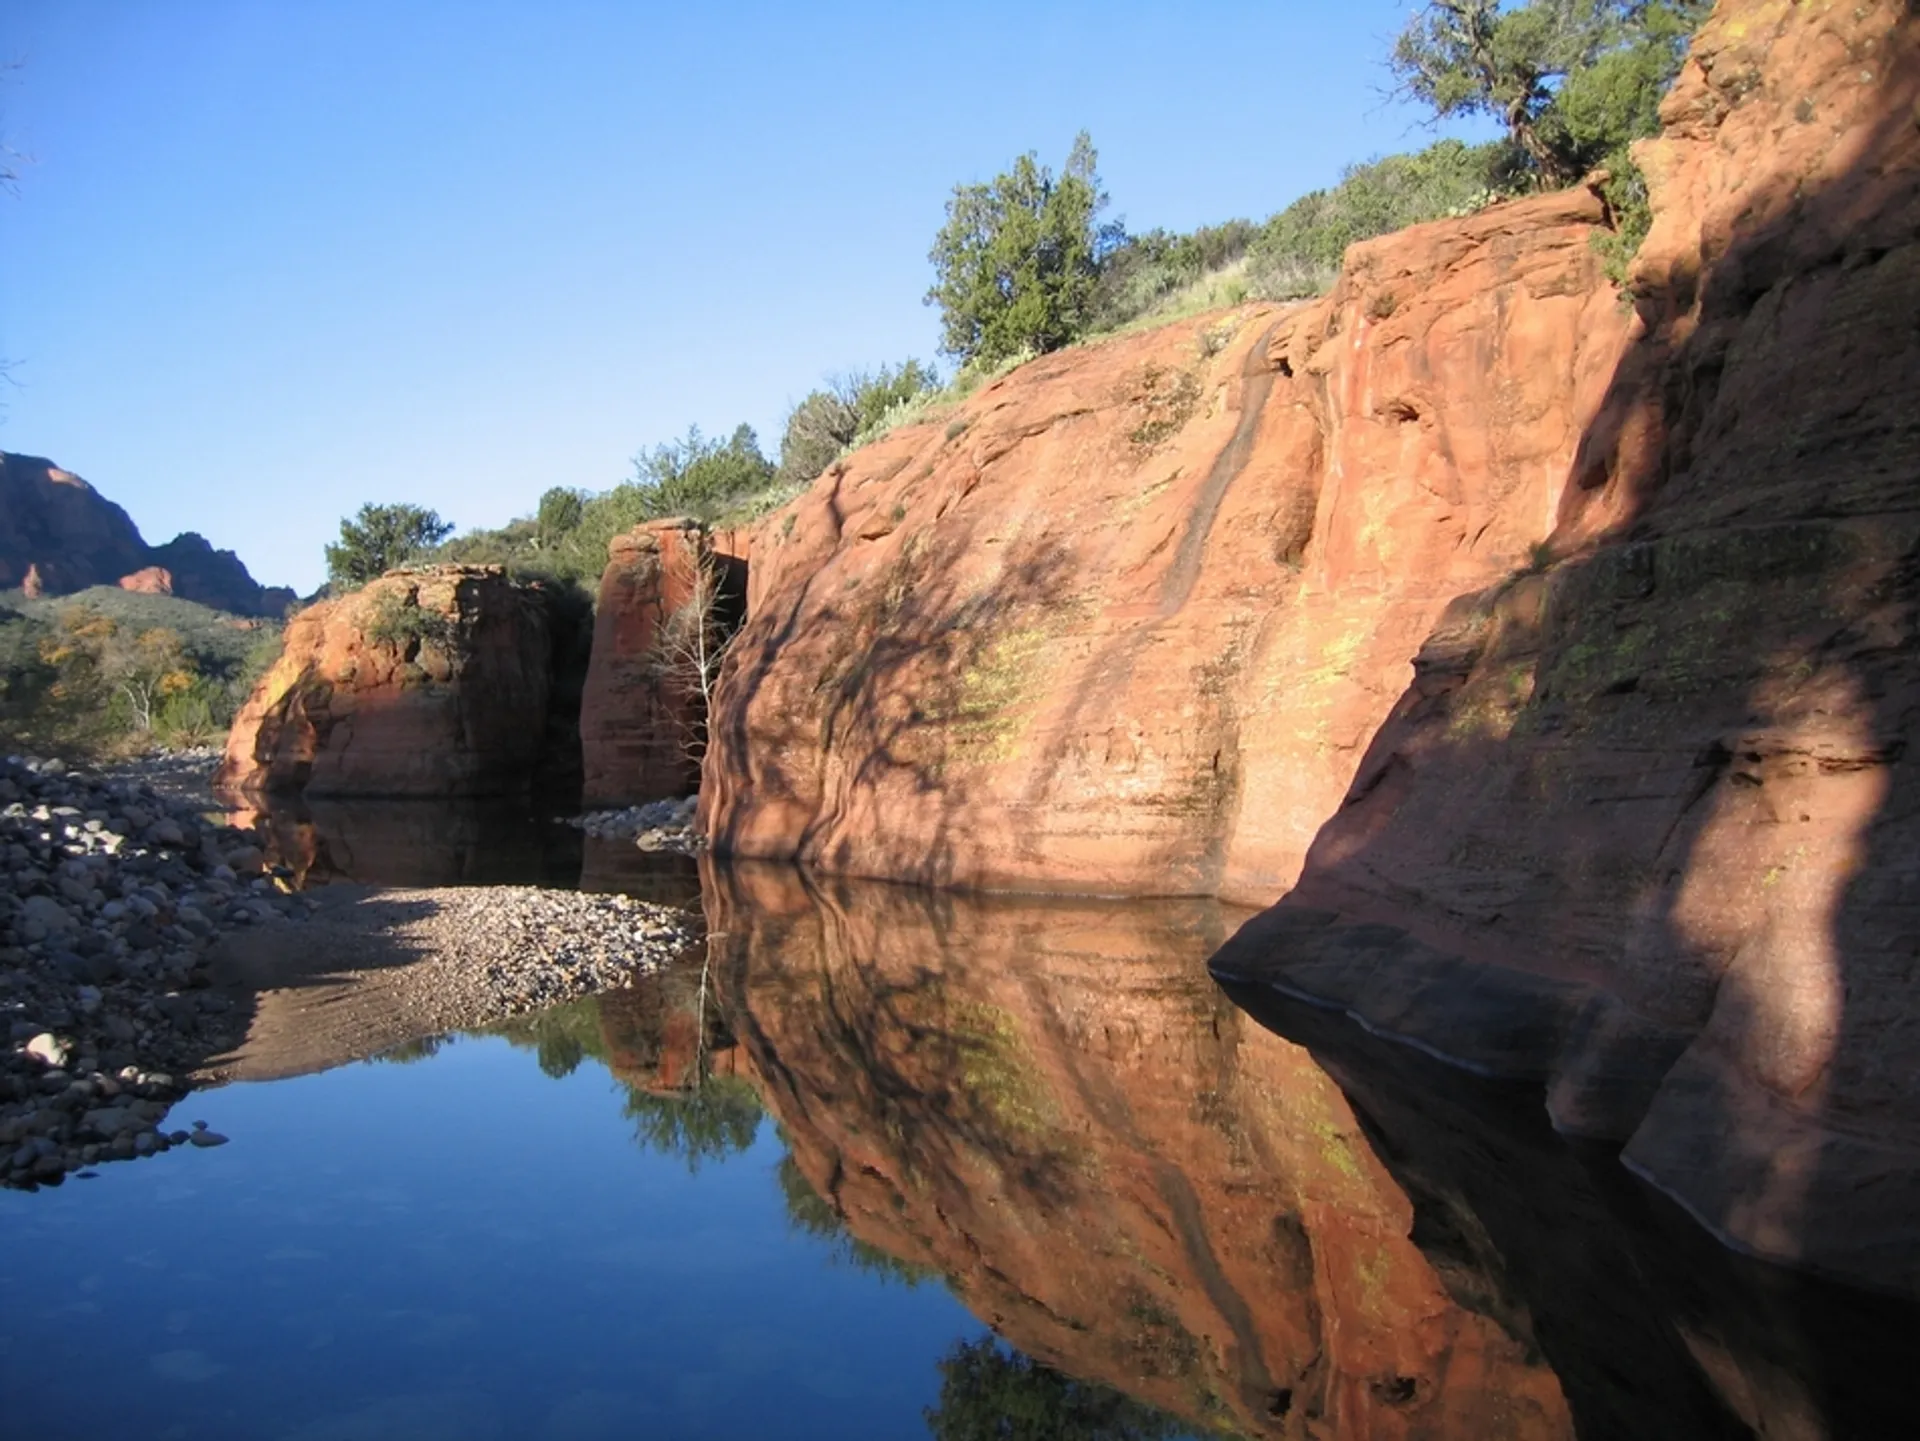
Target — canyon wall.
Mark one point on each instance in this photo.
(1551, 648)
(642, 716)
(433, 682)
(1126, 620)
(1662, 794)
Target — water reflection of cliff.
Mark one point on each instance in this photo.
(457, 843)
(1051, 1104)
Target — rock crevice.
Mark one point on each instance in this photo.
(1553, 653)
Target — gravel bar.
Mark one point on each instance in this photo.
(144, 949)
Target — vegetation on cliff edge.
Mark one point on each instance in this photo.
(1025, 264)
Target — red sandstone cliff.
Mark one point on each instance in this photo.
(641, 730)
(1668, 783)
(58, 535)
(432, 682)
(1568, 647)
(1128, 618)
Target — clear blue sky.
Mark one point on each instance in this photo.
(269, 261)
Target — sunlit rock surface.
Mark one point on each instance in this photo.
(58, 534)
(431, 682)
(1126, 619)
(1551, 649)
(641, 723)
(1662, 794)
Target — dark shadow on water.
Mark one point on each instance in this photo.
(461, 843)
(1653, 1327)
(612, 865)
(417, 842)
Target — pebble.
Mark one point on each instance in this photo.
(112, 892)
(106, 889)
(656, 826)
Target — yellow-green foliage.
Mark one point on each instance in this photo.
(109, 671)
(992, 691)
(996, 1073)
(396, 618)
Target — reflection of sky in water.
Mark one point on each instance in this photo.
(461, 1247)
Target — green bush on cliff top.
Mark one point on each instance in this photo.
(1024, 265)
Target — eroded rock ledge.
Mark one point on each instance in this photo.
(433, 682)
(1552, 652)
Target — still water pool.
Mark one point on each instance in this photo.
(463, 1246)
(896, 1163)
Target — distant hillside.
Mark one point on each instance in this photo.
(59, 535)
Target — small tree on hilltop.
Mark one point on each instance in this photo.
(831, 419)
(701, 477)
(379, 538)
(1016, 264)
(559, 515)
(1572, 80)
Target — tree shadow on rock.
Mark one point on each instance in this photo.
(1643, 829)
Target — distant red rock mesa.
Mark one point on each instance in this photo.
(59, 535)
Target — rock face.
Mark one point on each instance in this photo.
(1639, 819)
(154, 580)
(431, 682)
(1667, 784)
(57, 525)
(1128, 619)
(641, 730)
(58, 529)
(218, 578)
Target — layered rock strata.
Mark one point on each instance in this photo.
(1661, 792)
(1127, 619)
(1553, 646)
(431, 682)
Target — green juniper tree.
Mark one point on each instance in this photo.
(379, 538)
(701, 477)
(1016, 264)
(1572, 80)
(1575, 82)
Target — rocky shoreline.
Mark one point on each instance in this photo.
(375, 969)
(113, 897)
(145, 949)
(184, 776)
(655, 826)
